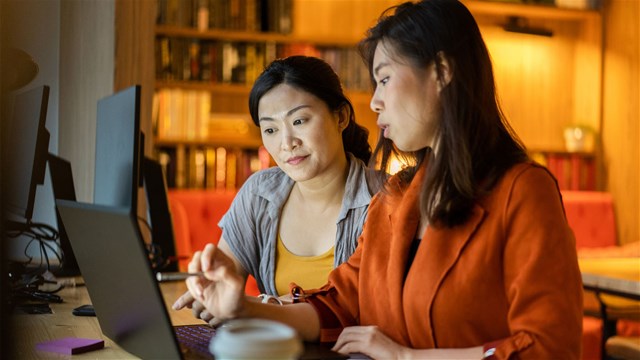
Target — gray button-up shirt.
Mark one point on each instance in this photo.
(250, 227)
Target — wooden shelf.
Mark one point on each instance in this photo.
(248, 36)
(230, 141)
(501, 8)
(238, 89)
(562, 152)
(214, 88)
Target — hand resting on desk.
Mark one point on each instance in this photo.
(197, 309)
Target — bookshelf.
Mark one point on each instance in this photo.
(544, 84)
(207, 56)
(574, 171)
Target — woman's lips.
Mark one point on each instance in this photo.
(296, 160)
(385, 130)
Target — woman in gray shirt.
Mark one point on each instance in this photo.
(287, 222)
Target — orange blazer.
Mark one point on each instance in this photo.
(509, 273)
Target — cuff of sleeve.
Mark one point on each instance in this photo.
(330, 325)
(505, 348)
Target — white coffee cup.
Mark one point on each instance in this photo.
(255, 339)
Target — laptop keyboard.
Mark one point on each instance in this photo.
(194, 340)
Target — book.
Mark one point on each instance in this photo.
(210, 167)
(221, 167)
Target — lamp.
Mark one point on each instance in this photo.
(22, 68)
(518, 24)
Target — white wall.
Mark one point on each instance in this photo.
(87, 45)
(33, 26)
(73, 43)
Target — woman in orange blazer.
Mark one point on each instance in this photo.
(466, 253)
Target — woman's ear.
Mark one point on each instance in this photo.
(343, 118)
(444, 68)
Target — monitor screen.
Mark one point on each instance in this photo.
(25, 147)
(63, 188)
(162, 236)
(118, 149)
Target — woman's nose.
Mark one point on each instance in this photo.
(289, 141)
(376, 104)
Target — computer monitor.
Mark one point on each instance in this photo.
(25, 147)
(162, 236)
(117, 173)
(63, 189)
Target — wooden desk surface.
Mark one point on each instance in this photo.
(621, 274)
(612, 285)
(28, 329)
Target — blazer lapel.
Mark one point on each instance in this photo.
(404, 217)
(439, 251)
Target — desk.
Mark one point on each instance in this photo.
(614, 284)
(27, 330)
(608, 284)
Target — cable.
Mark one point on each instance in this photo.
(43, 235)
(154, 251)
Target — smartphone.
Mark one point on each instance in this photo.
(84, 310)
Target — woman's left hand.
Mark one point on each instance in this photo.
(369, 340)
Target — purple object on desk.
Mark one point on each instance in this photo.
(70, 346)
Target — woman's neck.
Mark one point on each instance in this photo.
(324, 190)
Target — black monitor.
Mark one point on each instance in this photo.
(63, 188)
(162, 236)
(118, 150)
(25, 147)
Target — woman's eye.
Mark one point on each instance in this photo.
(269, 131)
(298, 121)
(384, 81)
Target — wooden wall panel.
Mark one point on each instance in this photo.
(135, 65)
(337, 19)
(134, 62)
(621, 114)
(547, 83)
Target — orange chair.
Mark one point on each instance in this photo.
(591, 216)
(196, 214)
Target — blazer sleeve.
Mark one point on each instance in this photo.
(541, 275)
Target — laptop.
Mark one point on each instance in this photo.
(126, 297)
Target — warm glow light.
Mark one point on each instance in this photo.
(395, 165)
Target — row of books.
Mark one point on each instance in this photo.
(184, 114)
(239, 15)
(573, 171)
(242, 62)
(210, 167)
(181, 114)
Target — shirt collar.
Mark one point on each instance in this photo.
(276, 187)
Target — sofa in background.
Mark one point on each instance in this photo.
(195, 216)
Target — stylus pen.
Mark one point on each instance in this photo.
(173, 276)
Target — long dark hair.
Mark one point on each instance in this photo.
(476, 145)
(315, 76)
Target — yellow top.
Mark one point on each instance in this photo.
(309, 272)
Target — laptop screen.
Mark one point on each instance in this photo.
(114, 264)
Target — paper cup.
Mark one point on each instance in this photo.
(255, 339)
